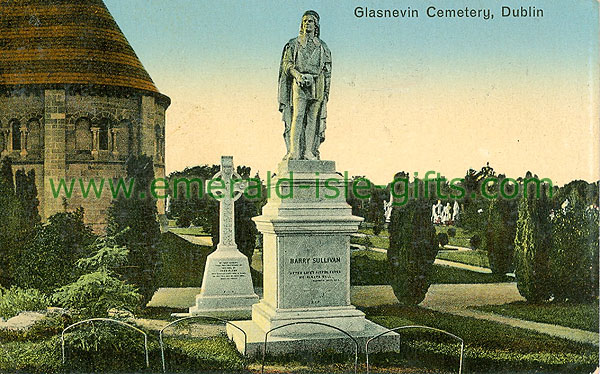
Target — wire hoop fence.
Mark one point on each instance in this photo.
(91, 321)
(264, 352)
(462, 343)
(160, 334)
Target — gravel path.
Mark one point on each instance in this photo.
(199, 240)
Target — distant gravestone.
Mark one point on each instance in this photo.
(227, 285)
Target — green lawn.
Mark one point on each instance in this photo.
(578, 316)
(476, 257)
(182, 262)
(371, 268)
(369, 231)
(211, 355)
(489, 346)
(380, 242)
(461, 239)
(196, 231)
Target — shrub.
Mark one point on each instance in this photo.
(48, 262)
(362, 240)
(94, 293)
(442, 238)
(139, 214)
(573, 259)
(413, 247)
(16, 300)
(15, 228)
(475, 241)
(500, 235)
(452, 232)
(51, 325)
(532, 246)
(105, 347)
(376, 212)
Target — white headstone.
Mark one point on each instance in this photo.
(455, 211)
(227, 285)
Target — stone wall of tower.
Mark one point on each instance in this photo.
(137, 127)
(55, 155)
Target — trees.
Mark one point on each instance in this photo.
(16, 222)
(533, 241)
(139, 214)
(376, 212)
(99, 288)
(413, 247)
(500, 233)
(48, 259)
(26, 193)
(203, 210)
(573, 259)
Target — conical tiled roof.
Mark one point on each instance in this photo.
(49, 42)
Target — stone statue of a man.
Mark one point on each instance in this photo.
(304, 81)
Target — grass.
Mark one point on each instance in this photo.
(214, 355)
(195, 231)
(489, 346)
(371, 268)
(369, 231)
(476, 257)
(578, 316)
(182, 262)
(461, 239)
(380, 242)
(371, 241)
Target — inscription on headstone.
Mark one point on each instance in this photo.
(313, 277)
(228, 270)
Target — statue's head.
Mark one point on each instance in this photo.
(310, 19)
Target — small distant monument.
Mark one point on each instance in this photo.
(306, 235)
(227, 289)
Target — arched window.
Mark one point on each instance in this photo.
(34, 141)
(83, 135)
(15, 126)
(4, 132)
(104, 126)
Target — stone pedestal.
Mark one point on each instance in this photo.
(306, 228)
(226, 286)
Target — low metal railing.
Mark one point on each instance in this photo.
(160, 334)
(262, 370)
(462, 343)
(92, 320)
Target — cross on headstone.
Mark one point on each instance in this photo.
(234, 186)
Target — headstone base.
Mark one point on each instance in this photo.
(312, 339)
(227, 290)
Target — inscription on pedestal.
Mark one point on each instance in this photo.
(315, 272)
(228, 270)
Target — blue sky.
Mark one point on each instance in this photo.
(421, 80)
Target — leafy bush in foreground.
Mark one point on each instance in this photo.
(94, 293)
(16, 300)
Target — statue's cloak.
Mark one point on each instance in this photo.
(322, 84)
